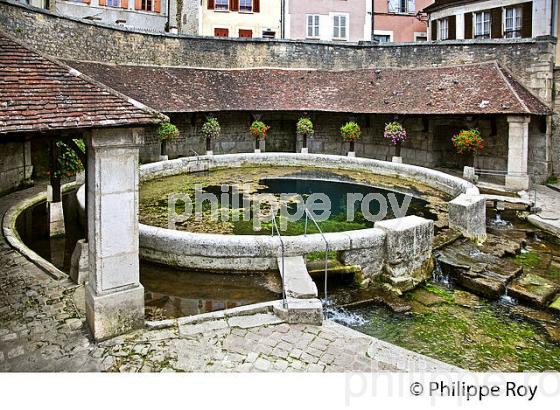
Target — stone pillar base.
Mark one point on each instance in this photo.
(305, 150)
(397, 160)
(173, 30)
(79, 265)
(115, 313)
(209, 153)
(467, 214)
(56, 219)
(351, 154)
(517, 182)
(302, 311)
(257, 151)
(469, 173)
(164, 157)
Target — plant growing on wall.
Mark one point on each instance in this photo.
(68, 162)
(211, 129)
(258, 130)
(167, 132)
(304, 127)
(351, 132)
(395, 132)
(468, 142)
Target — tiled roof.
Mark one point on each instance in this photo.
(40, 94)
(468, 89)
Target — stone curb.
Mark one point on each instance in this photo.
(10, 232)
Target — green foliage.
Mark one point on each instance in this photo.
(211, 128)
(168, 132)
(68, 161)
(468, 141)
(258, 129)
(351, 131)
(305, 127)
(552, 180)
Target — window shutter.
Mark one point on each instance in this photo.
(434, 29)
(124, 4)
(234, 5)
(468, 25)
(138, 4)
(211, 5)
(411, 6)
(157, 6)
(496, 22)
(86, 1)
(527, 20)
(102, 2)
(256, 6)
(452, 27)
(394, 6)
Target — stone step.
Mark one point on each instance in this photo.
(297, 280)
(533, 290)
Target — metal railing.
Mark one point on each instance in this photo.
(308, 215)
(282, 252)
(500, 173)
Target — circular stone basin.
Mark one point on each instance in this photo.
(214, 244)
(339, 200)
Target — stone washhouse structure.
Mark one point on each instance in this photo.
(432, 103)
(44, 99)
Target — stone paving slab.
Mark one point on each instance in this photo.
(43, 328)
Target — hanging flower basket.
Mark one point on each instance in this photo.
(395, 132)
(258, 131)
(304, 128)
(351, 132)
(167, 132)
(469, 143)
(68, 162)
(211, 129)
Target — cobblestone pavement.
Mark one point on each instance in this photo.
(42, 328)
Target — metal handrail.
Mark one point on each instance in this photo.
(497, 172)
(308, 215)
(282, 250)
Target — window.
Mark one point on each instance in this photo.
(114, 3)
(421, 37)
(482, 24)
(221, 32)
(246, 6)
(313, 25)
(382, 38)
(340, 27)
(222, 5)
(443, 29)
(402, 6)
(245, 33)
(512, 22)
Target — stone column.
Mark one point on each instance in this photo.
(172, 10)
(518, 151)
(114, 295)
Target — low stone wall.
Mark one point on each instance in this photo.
(15, 166)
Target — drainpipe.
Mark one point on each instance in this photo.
(282, 19)
(373, 20)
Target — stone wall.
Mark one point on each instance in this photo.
(15, 166)
(531, 60)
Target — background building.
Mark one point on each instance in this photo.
(397, 21)
(329, 20)
(241, 18)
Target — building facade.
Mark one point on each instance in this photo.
(398, 21)
(241, 18)
(329, 20)
(149, 15)
(486, 19)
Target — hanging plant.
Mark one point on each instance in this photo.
(395, 132)
(351, 131)
(168, 132)
(68, 162)
(468, 141)
(258, 129)
(211, 128)
(304, 127)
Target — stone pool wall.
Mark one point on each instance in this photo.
(404, 262)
